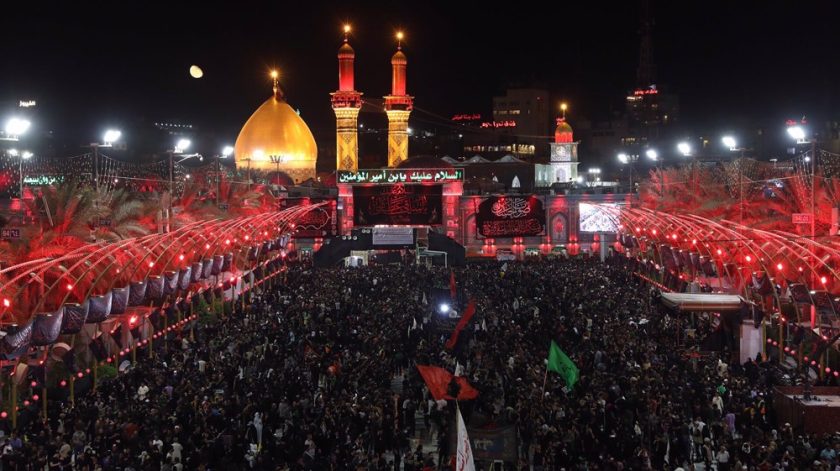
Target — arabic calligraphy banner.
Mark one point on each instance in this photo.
(415, 205)
(320, 222)
(511, 216)
(412, 175)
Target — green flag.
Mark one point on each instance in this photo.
(559, 363)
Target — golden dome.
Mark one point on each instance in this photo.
(563, 133)
(275, 131)
(563, 126)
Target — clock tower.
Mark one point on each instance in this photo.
(564, 154)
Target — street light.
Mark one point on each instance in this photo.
(729, 142)
(108, 139)
(111, 136)
(629, 159)
(182, 145)
(801, 136)
(684, 148)
(23, 155)
(16, 127)
(732, 144)
(797, 133)
(227, 151)
(653, 155)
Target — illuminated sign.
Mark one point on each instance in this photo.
(26, 103)
(499, 124)
(394, 205)
(511, 216)
(40, 180)
(466, 117)
(802, 218)
(420, 175)
(648, 91)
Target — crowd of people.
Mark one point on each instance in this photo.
(317, 373)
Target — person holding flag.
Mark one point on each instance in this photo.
(463, 455)
(561, 364)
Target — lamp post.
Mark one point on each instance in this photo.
(22, 155)
(180, 147)
(629, 159)
(732, 144)
(15, 127)
(799, 134)
(227, 151)
(685, 149)
(594, 174)
(652, 154)
(108, 139)
(278, 159)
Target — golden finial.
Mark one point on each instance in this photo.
(399, 39)
(563, 107)
(276, 88)
(346, 31)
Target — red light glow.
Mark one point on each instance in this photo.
(719, 252)
(748, 258)
(823, 280)
(181, 257)
(6, 302)
(779, 266)
(69, 287)
(151, 264)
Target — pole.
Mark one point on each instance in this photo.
(545, 378)
(218, 180)
(171, 190)
(14, 402)
(813, 208)
(96, 167)
(20, 173)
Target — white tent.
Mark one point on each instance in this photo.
(509, 159)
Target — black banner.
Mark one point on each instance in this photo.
(320, 222)
(511, 216)
(397, 205)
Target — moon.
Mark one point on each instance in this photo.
(196, 72)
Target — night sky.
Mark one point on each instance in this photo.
(91, 65)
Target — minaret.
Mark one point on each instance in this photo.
(398, 106)
(346, 102)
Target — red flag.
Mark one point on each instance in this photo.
(453, 288)
(465, 319)
(437, 379)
